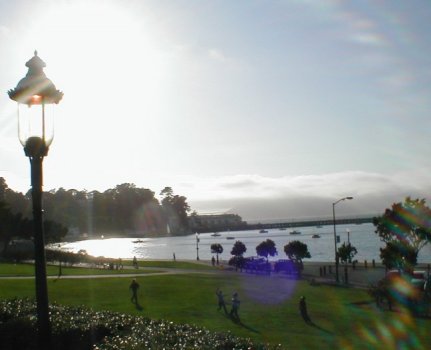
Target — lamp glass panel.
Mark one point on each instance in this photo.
(36, 120)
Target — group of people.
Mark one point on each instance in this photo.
(234, 305)
(134, 286)
(236, 302)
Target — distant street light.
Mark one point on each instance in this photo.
(36, 95)
(348, 242)
(337, 279)
(197, 246)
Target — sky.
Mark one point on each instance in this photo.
(270, 109)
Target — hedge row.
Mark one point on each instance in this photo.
(81, 328)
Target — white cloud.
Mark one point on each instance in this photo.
(4, 31)
(217, 55)
(372, 39)
(325, 185)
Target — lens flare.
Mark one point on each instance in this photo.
(400, 330)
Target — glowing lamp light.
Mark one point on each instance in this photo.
(36, 96)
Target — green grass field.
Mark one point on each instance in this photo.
(343, 318)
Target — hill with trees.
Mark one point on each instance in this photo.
(125, 210)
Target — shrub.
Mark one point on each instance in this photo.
(80, 328)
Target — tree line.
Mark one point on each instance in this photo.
(296, 251)
(124, 210)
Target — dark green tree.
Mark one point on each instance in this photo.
(238, 251)
(296, 251)
(216, 248)
(397, 255)
(406, 229)
(266, 248)
(175, 210)
(16, 201)
(54, 232)
(12, 226)
(346, 252)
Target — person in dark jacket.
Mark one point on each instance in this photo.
(303, 310)
(134, 286)
(235, 306)
(221, 303)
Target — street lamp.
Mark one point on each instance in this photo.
(197, 246)
(36, 95)
(335, 235)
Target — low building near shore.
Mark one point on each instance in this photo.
(215, 222)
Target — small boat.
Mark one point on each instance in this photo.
(315, 236)
(138, 241)
(294, 232)
(230, 237)
(282, 229)
(263, 231)
(215, 234)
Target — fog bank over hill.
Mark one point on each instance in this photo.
(280, 209)
(258, 198)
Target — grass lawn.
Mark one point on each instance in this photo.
(343, 318)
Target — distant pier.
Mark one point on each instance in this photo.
(290, 224)
(308, 223)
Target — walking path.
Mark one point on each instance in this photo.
(360, 277)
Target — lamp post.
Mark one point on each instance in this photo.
(197, 246)
(36, 95)
(337, 279)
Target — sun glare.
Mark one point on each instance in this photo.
(98, 49)
(105, 56)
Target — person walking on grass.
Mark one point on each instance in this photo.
(235, 307)
(303, 310)
(134, 286)
(135, 262)
(221, 303)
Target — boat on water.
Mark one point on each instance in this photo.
(282, 229)
(294, 232)
(263, 231)
(138, 241)
(230, 237)
(215, 234)
(315, 236)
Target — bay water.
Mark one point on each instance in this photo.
(185, 247)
